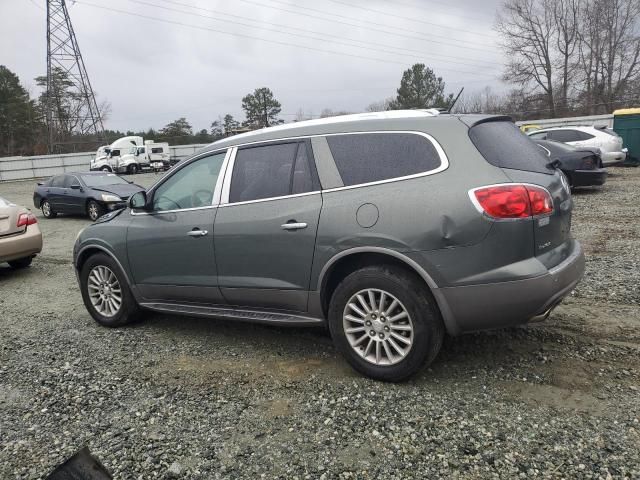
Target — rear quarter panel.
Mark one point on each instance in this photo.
(424, 214)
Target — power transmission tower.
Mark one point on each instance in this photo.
(71, 105)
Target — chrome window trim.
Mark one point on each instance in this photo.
(270, 199)
(444, 164)
(215, 201)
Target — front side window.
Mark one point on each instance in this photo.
(371, 157)
(190, 187)
(271, 171)
(70, 180)
(157, 150)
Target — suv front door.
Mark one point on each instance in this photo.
(265, 229)
(170, 248)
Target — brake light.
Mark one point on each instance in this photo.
(26, 219)
(513, 201)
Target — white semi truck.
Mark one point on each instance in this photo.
(131, 155)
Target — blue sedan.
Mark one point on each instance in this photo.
(87, 193)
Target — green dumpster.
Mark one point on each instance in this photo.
(626, 123)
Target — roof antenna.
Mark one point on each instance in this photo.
(455, 101)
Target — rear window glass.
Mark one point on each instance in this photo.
(503, 144)
(370, 157)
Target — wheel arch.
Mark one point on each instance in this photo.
(346, 262)
(88, 251)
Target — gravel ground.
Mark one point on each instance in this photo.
(174, 397)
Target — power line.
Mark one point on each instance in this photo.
(402, 49)
(142, 2)
(242, 35)
(402, 17)
(387, 32)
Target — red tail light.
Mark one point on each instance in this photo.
(26, 219)
(513, 200)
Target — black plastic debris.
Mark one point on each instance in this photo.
(82, 466)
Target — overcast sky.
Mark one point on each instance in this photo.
(198, 58)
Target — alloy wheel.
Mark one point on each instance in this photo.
(93, 211)
(104, 291)
(46, 209)
(378, 327)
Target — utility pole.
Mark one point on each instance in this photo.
(67, 79)
(264, 103)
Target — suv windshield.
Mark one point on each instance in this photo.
(102, 180)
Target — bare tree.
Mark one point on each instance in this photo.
(609, 52)
(528, 30)
(380, 106)
(566, 18)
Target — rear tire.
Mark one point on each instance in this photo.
(94, 210)
(21, 262)
(47, 209)
(409, 335)
(106, 293)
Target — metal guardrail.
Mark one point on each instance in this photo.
(24, 168)
(588, 121)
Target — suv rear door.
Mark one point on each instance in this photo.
(265, 229)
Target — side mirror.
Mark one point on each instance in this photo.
(138, 200)
(75, 187)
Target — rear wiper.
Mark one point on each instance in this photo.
(554, 165)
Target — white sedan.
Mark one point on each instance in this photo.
(608, 141)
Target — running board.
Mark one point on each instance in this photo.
(240, 314)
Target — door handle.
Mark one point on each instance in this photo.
(197, 233)
(294, 226)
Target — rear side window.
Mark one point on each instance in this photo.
(272, 171)
(371, 157)
(503, 144)
(569, 135)
(57, 181)
(157, 150)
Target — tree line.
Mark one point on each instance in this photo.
(570, 57)
(565, 57)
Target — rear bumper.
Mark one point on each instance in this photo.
(613, 158)
(588, 178)
(23, 245)
(505, 304)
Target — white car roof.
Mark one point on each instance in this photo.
(582, 128)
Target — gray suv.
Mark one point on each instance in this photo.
(392, 228)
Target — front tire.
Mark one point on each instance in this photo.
(20, 263)
(105, 169)
(105, 292)
(94, 210)
(133, 169)
(47, 209)
(385, 323)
